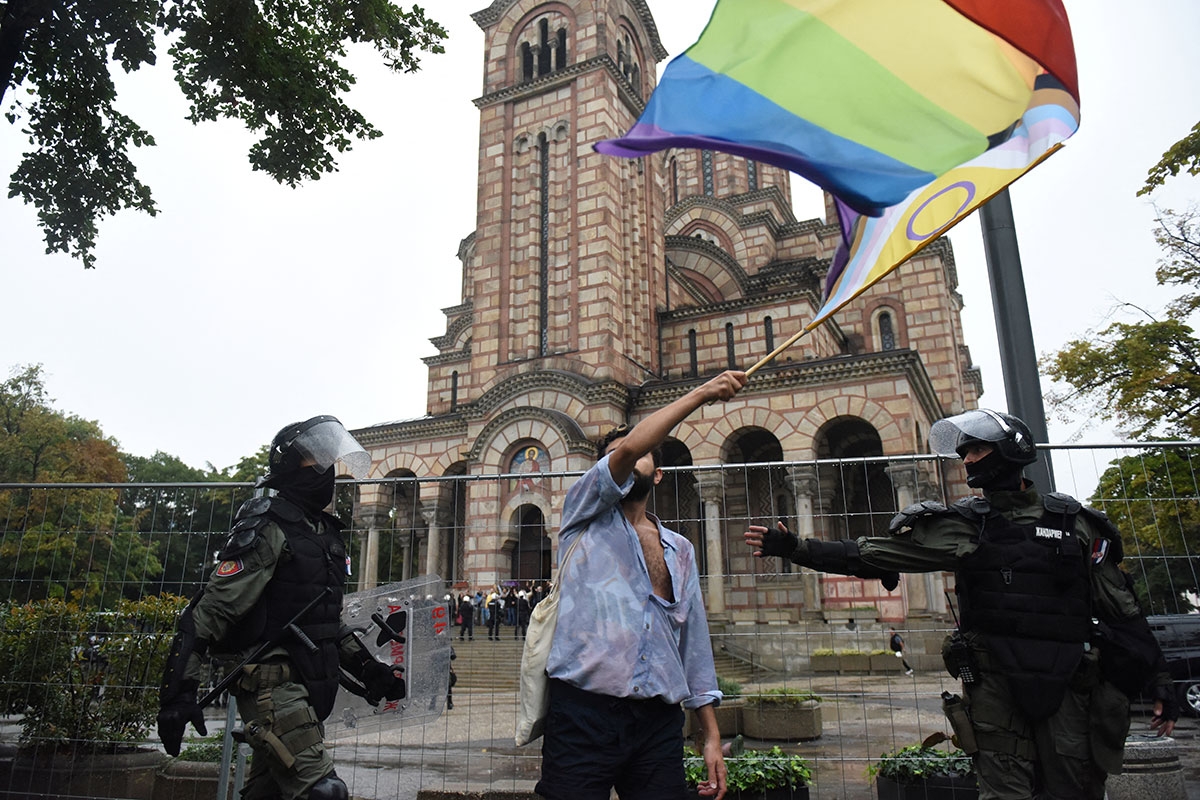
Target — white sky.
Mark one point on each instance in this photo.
(246, 305)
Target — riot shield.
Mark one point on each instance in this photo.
(406, 624)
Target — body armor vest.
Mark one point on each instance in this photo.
(1026, 592)
(310, 563)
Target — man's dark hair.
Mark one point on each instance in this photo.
(617, 433)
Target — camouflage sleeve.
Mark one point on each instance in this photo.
(928, 544)
(233, 588)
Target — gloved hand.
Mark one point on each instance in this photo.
(382, 681)
(174, 716)
(777, 541)
(1166, 709)
(890, 581)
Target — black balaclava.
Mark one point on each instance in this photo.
(994, 472)
(308, 486)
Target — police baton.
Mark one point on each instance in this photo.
(291, 627)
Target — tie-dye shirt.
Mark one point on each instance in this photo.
(615, 636)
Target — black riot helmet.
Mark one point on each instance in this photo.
(318, 443)
(1012, 445)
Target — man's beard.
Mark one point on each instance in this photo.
(642, 484)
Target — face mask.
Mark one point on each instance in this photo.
(309, 488)
(993, 472)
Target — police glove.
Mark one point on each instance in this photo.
(382, 681)
(1165, 693)
(175, 714)
(779, 541)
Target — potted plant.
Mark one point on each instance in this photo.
(194, 774)
(823, 659)
(754, 774)
(925, 771)
(80, 680)
(728, 713)
(854, 661)
(782, 713)
(886, 661)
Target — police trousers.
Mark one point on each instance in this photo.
(284, 731)
(1064, 757)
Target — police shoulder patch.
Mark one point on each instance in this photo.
(254, 507)
(230, 567)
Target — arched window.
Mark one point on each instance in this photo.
(887, 336)
(695, 365)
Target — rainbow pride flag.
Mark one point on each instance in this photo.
(869, 100)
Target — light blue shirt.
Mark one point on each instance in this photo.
(615, 636)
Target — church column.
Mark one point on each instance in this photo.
(433, 553)
(918, 586)
(804, 490)
(712, 493)
(374, 518)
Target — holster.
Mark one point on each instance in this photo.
(960, 722)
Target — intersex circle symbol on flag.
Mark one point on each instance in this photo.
(942, 219)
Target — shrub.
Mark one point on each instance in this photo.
(81, 678)
(729, 688)
(784, 696)
(752, 770)
(919, 761)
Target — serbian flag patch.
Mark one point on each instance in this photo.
(1099, 551)
(228, 568)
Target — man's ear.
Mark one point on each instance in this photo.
(658, 475)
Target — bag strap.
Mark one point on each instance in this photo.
(562, 569)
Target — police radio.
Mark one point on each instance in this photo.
(957, 653)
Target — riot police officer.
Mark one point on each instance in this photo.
(278, 588)
(1050, 627)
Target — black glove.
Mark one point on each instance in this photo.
(381, 681)
(1170, 702)
(174, 716)
(779, 542)
(890, 580)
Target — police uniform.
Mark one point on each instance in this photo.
(272, 606)
(277, 560)
(1030, 571)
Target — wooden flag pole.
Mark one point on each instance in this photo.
(769, 357)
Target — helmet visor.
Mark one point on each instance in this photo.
(947, 435)
(326, 443)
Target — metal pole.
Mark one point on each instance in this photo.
(1018, 356)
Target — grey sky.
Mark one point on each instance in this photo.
(245, 305)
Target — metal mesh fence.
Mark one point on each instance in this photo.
(92, 578)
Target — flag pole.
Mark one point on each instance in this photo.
(769, 357)
(1018, 356)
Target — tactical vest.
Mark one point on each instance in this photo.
(309, 563)
(1026, 592)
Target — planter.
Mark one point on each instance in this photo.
(729, 717)
(935, 787)
(824, 663)
(786, 722)
(858, 663)
(124, 775)
(188, 780)
(888, 663)
(799, 793)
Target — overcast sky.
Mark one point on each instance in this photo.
(245, 305)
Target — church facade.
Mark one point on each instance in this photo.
(596, 290)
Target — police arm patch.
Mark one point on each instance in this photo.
(1099, 551)
(230, 567)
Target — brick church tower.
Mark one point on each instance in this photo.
(596, 290)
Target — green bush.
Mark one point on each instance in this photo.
(752, 770)
(729, 688)
(783, 696)
(206, 749)
(919, 761)
(82, 678)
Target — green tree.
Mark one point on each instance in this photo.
(275, 66)
(1143, 375)
(1154, 500)
(1184, 154)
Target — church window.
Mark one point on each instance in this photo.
(544, 246)
(694, 364)
(526, 62)
(674, 181)
(769, 331)
(454, 391)
(730, 355)
(560, 52)
(706, 160)
(544, 51)
(887, 336)
(627, 63)
(752, 175)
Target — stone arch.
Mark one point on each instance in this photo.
(858, 496)
(526, 541)
(559, 434)
(712, 264)
(714, 213)
(525, 38)
(882, 420)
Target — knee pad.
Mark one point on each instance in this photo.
(330, 787)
